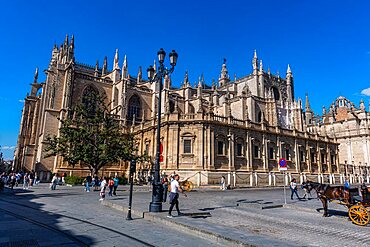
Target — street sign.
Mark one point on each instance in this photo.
(283, 164)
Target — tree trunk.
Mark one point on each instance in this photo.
(94, 170)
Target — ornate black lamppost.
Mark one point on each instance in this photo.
(157, 77)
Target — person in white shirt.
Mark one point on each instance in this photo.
(293, 189)
(174, 195)
(103, 186)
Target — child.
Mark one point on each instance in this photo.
(103, 185)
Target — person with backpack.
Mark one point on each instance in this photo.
(110, 186)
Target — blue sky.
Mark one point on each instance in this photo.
(325, 42)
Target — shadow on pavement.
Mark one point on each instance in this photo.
(24, 222)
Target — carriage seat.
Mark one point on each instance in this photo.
(357, 198)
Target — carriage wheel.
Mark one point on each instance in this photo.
(190, 186)
(187, 186)
(359, 215)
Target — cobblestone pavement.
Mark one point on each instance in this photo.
(69, 216)
(238, 214)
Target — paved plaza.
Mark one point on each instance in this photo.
(241, 217)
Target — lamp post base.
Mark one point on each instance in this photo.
(155, 207)
(157, 197)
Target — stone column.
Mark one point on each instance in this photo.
(296, 156)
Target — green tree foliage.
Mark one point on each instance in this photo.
(91, 134)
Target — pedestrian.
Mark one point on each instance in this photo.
(54, 182)
(88, 183)
(32, 178)
(37, 179)
(293, 189)
(115, 186)
(63, 176)
(174, 195)
(26, 181)
(110, 186)
(346, 184)
(12, 180)
(103, 186)
(96, 182)
(223, 183)
(306, 191)
(17, 179)
(165, 187)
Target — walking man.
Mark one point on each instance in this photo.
(115, 186)
(174, 195)
(293, 188)
(88, 182)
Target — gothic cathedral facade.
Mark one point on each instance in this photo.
(238, 127)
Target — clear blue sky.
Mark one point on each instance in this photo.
(325, 42)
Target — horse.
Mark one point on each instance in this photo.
(326, 192)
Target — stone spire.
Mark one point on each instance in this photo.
(96, 71)
(154, 66)
(186, 79)
(124, 68)
(71, 48)
(115, 63)
(308, 113)
(255, 63)
(261, 67)
(105, 65)
(307, 103)
(199, 89)
(224, 77)
(362, 105)
(323, 110)
(289, 82)
(36, 75)
(139, 74)
(66, 42)
(289, 71)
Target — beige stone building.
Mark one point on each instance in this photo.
(348, 126)
(237, 127)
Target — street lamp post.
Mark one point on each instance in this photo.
(157, 77)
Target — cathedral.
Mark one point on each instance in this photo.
(237, 127)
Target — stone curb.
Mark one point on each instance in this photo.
(218, 238)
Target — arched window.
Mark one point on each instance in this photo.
(134, 108)
(259, 117)
(276, 93)
(89, 97)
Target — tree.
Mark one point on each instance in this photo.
(92, 134)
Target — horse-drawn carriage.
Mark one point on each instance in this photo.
(357, 200)
(359, 205)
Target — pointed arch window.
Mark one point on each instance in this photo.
(134, 108)
(89, 98)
